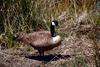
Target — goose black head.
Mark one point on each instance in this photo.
(55, 23)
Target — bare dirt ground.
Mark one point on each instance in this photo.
(73, 52)
(76, 50)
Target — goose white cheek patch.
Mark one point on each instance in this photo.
(53, 23)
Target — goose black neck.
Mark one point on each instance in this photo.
(52, 30)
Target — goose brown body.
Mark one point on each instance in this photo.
(41, 40)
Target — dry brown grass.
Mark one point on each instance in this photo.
(77, 19)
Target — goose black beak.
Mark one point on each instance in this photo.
(57, 26)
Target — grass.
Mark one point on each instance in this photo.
(98, 19)
(32, 15)
(75, 62)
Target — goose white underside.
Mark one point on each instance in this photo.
(56, 39)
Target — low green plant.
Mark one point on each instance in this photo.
(98, 19)
(10, 41)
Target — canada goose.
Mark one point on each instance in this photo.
(41, 40)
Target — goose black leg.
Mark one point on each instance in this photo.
(41, 53)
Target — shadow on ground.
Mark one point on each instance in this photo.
(48, 58)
